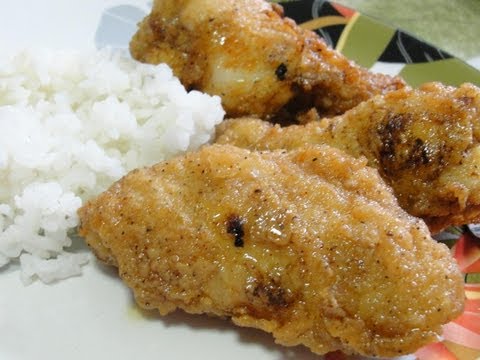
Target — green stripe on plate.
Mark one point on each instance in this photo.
(450, 71)
(472, 278)
(364, 40)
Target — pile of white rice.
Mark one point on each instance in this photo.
(71, 124)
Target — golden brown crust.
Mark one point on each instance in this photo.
(309, 245)
(259, 62)
(425, 144)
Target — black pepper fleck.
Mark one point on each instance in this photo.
(281, 71)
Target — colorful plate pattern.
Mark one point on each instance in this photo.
(396, 52)
(375, 45)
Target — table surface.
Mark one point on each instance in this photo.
(453, 26)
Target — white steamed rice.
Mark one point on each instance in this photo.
(71, 124)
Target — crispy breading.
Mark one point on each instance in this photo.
(424, 142)
(258, 61)
(309, 245)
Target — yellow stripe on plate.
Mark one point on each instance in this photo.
(462, 352)
(346, 31)
(364, 40)
(472, 295)
(323, 21)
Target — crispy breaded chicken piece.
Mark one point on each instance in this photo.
(309, 245)
(425, 144)
(259, 62)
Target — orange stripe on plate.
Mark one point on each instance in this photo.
(472, 305)
(467, 252)
(470, 321)
(473, 268)
(345, 11)
(472, 287)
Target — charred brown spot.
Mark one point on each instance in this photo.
(235, 227)
(269, 295)
(281, 71)
(390, 137)
(272, 294)
(399, 151)
(419, 154)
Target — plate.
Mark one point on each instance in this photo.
(94, 316)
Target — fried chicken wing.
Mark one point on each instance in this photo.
(425, 144)
(258, 61)
(309, 245)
